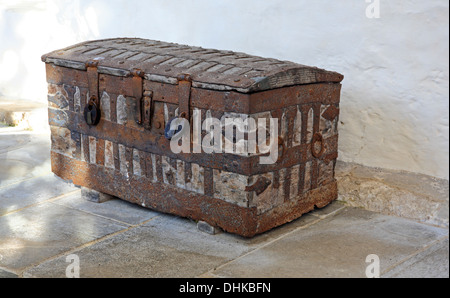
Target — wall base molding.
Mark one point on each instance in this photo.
(410, 195)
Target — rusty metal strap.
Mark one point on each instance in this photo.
(184, 95)
(144, 98)
(147, 106)
(92, 75)
(137, 89)
(259, 186)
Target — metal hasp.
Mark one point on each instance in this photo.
(147, 108)
(184, 95)
(143, 98)
(92, 112)
(136, 85)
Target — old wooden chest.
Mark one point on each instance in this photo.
(167, 126)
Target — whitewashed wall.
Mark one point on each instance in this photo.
(394, 104)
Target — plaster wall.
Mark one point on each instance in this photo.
(394, 103)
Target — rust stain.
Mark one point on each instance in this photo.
(330, 113)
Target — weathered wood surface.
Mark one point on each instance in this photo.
(209, 69)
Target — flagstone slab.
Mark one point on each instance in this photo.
(115, 209)
(34, 234)
(23, 155)
(20, 195)
(337, 247)
(166, 246)
(431, 263)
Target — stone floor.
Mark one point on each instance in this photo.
(44, 222)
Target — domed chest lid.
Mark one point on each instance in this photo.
(208, 68)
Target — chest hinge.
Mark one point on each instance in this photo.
(92, 76)
(184, 95)
(92, 112)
